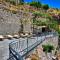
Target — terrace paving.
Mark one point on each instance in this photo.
(4, 45)
(4, 49)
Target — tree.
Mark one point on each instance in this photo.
(35, 4)
(21, 1)
(45, 7)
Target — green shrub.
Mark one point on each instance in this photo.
(35, 4)
(47, 48)
(45, 7)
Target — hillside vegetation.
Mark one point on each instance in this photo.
(38, 14)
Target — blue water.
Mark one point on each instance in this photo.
(51, 3)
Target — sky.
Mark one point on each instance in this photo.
(51, 3)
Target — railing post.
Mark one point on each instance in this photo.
(27, 44)
(14, 54)
(9, 51)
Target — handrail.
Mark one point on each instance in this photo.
(31, 46)
(34, 46)
(17, 56)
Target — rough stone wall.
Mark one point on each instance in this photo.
(10, 23)
(27, 22)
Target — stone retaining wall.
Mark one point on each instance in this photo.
(10, 23)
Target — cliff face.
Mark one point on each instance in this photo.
(10, 22)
